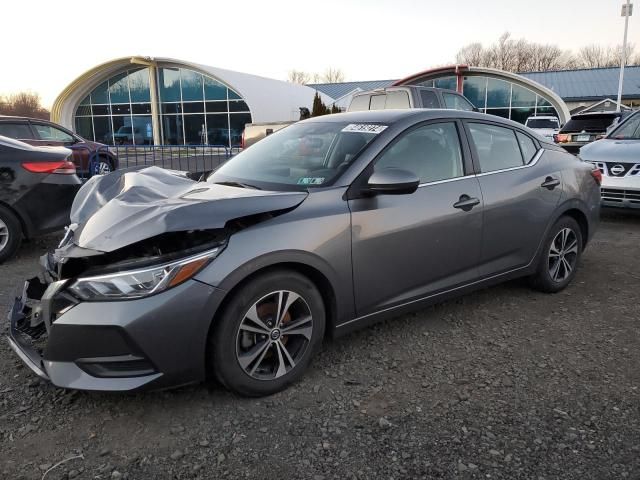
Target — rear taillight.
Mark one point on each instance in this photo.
(560, 137)
(60, 167)
(597, 175)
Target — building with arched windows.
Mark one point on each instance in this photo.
(161, 101)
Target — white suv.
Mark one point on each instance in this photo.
(545, 126)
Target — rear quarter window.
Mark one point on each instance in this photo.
(359, 103)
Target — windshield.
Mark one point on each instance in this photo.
(542, 123)
(299, 156)
(629, 130)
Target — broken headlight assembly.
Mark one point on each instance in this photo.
(142, 282)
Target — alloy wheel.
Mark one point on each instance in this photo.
(274, 335)
(4, 235)
(563, 255)
(103, 168)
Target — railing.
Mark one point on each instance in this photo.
(192, 158)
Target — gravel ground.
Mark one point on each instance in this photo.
(504, 383)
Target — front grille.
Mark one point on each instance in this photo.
(621, 169)
(618, 195)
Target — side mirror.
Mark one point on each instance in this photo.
(393, 181)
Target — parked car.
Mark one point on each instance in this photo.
(618, 158)
(89, 157)
(321, 228)
(409, 96)
(585, 128)
(544, 125)
(37, 187)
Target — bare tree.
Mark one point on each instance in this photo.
(333, 75)
(472, 54)
(24, 104)
(594, 56)
(299, 76)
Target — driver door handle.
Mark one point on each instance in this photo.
(550, 183)
(466, 203)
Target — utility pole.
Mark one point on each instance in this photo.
(627, 10)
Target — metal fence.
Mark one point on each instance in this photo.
(191, 158)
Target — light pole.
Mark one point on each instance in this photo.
(627, 10)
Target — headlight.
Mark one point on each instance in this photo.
(143, 282)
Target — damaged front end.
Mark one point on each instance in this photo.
(106, 310)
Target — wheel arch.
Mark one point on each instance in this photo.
(25, 226)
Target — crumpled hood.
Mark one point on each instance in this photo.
(125, 207)
(611, 150)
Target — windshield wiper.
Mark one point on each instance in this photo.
(238, 184)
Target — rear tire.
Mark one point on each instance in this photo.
(266, 335)
(560, 257)
(10, 234)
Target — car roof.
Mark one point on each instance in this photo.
(417, 114)
(545, 117)
(15, 117)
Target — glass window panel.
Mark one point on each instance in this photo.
(120, 109)
(119, 88)
(169, 84)
(191, 85)
(214, 90)
(431, 152)
(193, 107)
(84, 127)
(122, 130)
(429, 99)
(101, 109)
(238, 106)
(139, 85)
(47, 132)
(233, 95)
(171, 108)
(498, 93)
(499, 112)
(547, 111)
(377, 102)
(194, 129)
(102, 128)
(522, 97)
(397, 99)
(527, 146)
(475, 89)
(143, 130)
(359, 103)
(218, 129)
(217, 107)
(426, 83)
(542, 102)
(238, 121)
(99, 94)
(20, 131)
(497, 147)
(172, 129)
(141, 108)
(86, 100)
(449, 83)
(456, 102)
(83, 110)
(520, 115)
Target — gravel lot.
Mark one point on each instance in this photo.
(504, 383)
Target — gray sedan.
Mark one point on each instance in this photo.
(618, 158)
(324, 227)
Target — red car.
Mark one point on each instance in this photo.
(89, 157)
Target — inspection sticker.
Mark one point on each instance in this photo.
(364, 128)
(310, 181)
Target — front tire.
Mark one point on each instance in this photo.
(266, 335)
(10, 234)
(560, 257)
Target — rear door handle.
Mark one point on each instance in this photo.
(550, 183)
(466, 203)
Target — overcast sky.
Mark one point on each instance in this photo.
(46, 44)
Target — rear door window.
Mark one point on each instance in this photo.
(359, 103)
(429, 99)
(456, 102)
(19, 131)
(497, 147)
(397, 99)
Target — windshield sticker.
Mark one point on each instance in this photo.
(311, 181)
(364, 128)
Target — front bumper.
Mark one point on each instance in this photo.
(621, 192)
(150, 343)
